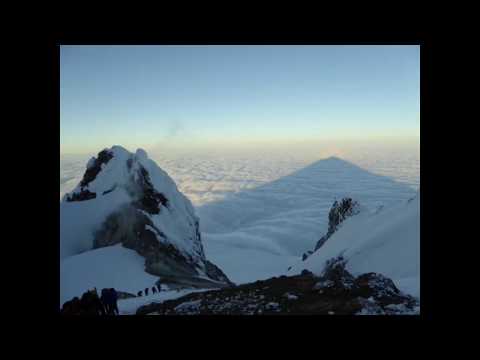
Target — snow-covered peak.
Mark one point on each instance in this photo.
(141, 154)
(117, 168)
(118, 150)
(126, 198)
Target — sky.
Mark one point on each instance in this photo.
(234, 96)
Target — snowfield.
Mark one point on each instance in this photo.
(244, 263)
(113, 266)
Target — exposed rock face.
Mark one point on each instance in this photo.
(335, 280)
(306, 255)
(154, 218)
(81, 196)
(338, 213)
(95, 166)
(132, 228)
(378, 286)
(335, 292)
(214, 272)
(150, 199)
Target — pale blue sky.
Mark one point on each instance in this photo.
(141, 96)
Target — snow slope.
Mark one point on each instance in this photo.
(244, 262)
(387, 242)
(112, 266)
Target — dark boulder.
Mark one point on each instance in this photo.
(306, 272)
(378, 287)
(335, 280)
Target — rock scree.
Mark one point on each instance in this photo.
(334, 292)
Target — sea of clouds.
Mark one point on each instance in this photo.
(206, 176)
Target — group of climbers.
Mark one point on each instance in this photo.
(91, 304)
(154, 290)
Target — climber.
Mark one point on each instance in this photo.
(114, 301)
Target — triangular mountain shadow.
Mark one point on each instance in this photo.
(305, 194)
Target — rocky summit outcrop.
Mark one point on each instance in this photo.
(94, 166)
(337, 214)
(334, 292)
(125, 198)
